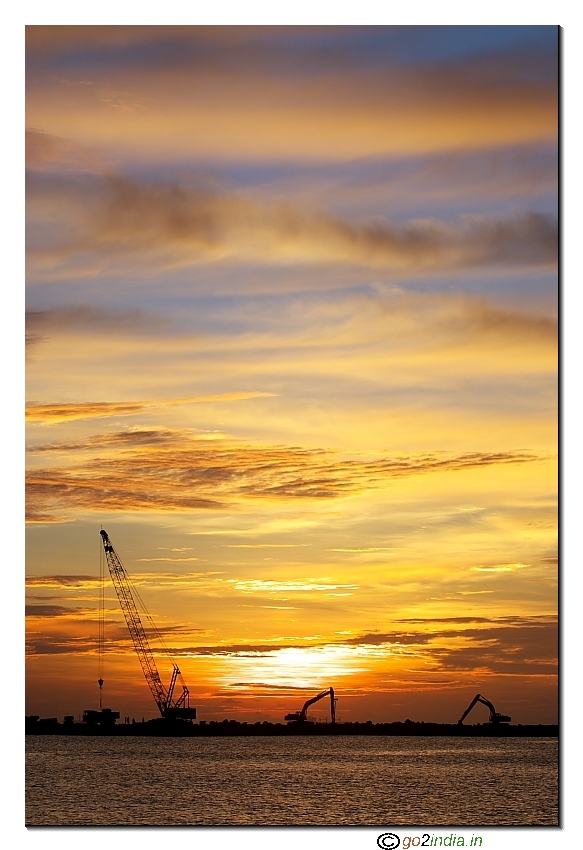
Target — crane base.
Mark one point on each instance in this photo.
(180, 714)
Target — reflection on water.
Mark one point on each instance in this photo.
(291, 781)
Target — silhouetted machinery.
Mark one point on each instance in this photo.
(171, 707)
(105, 717)
(302, 716)
(494, 716)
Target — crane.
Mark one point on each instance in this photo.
(494, 716)
(301, 716)
(171, 707)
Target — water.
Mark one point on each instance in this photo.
(280, 781)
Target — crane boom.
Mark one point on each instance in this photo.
(164, 698)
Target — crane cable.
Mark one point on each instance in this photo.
(151, 623)
(155, 631)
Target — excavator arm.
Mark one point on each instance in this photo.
(310, 702)
(300, 716)
(495, 717)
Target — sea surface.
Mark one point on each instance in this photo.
(282, 781)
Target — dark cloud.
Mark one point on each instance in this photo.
(82, 317)
(49, 640)
(265, 687)
(170, 225)
(240, 650)
(61, 580)
(56, 644)
(520, 649)
(507, 621)
(512, 645)
(83, 581)
(461, 58)
(472, 319)
(382, 638)
(47, 610)
(141, 217)
(459, 620)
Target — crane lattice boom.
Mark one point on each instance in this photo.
(168, 706)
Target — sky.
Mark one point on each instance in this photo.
(292, 341)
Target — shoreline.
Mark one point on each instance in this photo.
(233, 728)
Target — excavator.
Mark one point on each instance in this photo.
(495, 717)
(302, 716)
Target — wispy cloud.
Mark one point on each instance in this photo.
(366, 549)
(169, 560)
(54, 413)
(289, 586)
(398, 321)
(81, 582)
(76, 581)
(161, 470)
(265, 545)
(45, 152)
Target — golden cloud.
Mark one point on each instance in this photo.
(165, 470)
(55, 413)
(525, 646)
(289, 586)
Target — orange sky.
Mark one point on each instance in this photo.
(292, 341)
